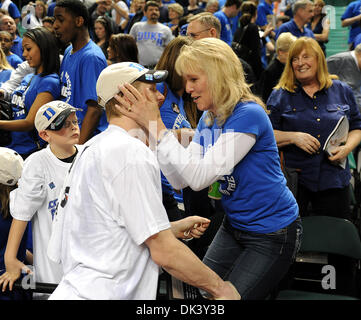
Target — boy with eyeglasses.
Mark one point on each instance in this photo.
(36, 198)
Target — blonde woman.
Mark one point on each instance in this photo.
(305, 107)
(234, 144)
(271, 75)
(5, 68)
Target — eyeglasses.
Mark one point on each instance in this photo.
(5, 40)
(196, 34)
(67, 124)
(304, 59)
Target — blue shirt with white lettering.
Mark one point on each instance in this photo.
(79, 73)
(255, 197)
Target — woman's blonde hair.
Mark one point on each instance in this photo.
(288, 79)
(284, 41)
(4, 64)
(224, 72)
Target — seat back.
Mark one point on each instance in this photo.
(330, 235)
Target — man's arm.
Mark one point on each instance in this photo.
(179, 261)
(15, 79)
(347, 22)
(90, 121)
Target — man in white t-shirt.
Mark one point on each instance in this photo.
(114, 230)
(151, 36)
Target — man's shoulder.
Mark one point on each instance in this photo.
(139, 24)
(220, 14)
(341, 56)
(164, 27)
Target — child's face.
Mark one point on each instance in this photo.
(6, 42)
(68, 135)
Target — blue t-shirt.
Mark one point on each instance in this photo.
(263, 10)
(51, 7)
(317, 116)
(5, 75)
(17, 47)
(226, 27)
(357, 40)
(292, 27)
(352, 10)
(12, 10)
(255, 197)
(79, 73)
(22, 99)
(14, 60)
(174, 117)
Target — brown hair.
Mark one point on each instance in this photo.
(4, 199)
(124, 47)
(288, 79)
(175, 80)
(110, 110)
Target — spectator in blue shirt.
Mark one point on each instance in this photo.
(12, 9)
(352, 18)
(305, 107)
(302, 14)
(263, 10)
(7, 23)
(230, 10)
(6, 41)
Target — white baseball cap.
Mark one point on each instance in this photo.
(52, 115)
(11, 166)
(124, 72)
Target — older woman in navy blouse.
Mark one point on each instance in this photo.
(304, 108)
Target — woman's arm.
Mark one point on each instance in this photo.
(303, 140)
(347, 22)
(27, 124)
(325, 32)
(199, 173)
(174, 160)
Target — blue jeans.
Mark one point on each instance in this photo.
(254, 263)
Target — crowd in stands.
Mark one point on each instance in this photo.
(54, 56)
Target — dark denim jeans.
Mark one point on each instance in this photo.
(254, 263)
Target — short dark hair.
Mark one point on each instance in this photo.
(230, 3)
(150, 4)
(76, 8)
(49, 51)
